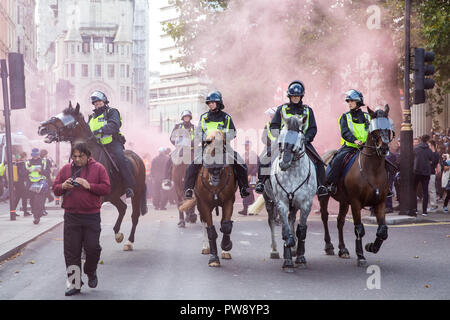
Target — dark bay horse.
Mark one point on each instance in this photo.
(215, 187)
(366, 184)
(178, 173)
(70, 126)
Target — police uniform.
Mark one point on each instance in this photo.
(217, 120)
(353, 125)
(105, 123)
(37, 199)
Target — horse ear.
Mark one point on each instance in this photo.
(77, 108)
(371, 113)
(386, 109)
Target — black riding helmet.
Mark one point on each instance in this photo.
(296, 88)
(215, 96)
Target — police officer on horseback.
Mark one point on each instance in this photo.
(181, 133)
(105, 124)
(216, 119)
(354, 129)
(295, 107)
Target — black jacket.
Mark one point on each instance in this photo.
(159, 166)
(435, 162)
(296, 109)
(113, 123)
(358, 117)
(423, 158)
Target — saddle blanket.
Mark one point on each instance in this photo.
(346, 164)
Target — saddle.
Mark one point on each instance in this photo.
(346, 164)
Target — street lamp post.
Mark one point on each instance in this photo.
(407, 193)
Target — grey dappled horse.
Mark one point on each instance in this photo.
(292, 187)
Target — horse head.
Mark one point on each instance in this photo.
(381, 130)
(65, 126)
(291, 141)
(215, 139)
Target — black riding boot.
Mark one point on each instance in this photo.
(125, 167)
(242, 179)
(322, 191)
(189, 181)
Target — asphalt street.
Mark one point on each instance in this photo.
(167, 264)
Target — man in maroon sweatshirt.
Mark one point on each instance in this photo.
(82, 183)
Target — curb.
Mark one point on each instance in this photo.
(17, 249)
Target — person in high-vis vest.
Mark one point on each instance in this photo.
(269, 141)
(354, 129)
(216, 119)
(105, 124)
(183, 131)
(36, 167)
(295, 107)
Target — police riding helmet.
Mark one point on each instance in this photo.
(98, 96)
(215, 96)
(296, 88)
(354, 95)
(186, 113)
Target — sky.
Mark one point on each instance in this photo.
(155, 30)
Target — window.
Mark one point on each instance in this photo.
(128, 93)
(128, 70)
(73, 48)
(122, 93)
(121, 50)
(109, 45)
(98, 43)
(111, 71)
(98, 70)
(86, 44)
(72, 70)
(122, 71)
(84, 70)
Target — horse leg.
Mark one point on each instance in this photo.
(181, 222)
(225, 228)
(291, 218)
(205, 241)
(301, 236)
(288, 237)
(359, 233)
(343, 208)
(382, 231)
(329, 249)
(121, 208)
(206, 215)
(271, 220)
(135, 202)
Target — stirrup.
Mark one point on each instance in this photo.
(322, 191)
(332, 189)
(244, 193)
(259, 187)
(188, 193)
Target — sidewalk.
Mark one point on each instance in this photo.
(14, 235)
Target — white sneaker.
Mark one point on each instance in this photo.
(432, 209)
(425, 215)
(445, 209)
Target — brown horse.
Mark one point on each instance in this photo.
(178, 173)
(215, 187)
(366, 184)
(70, 126)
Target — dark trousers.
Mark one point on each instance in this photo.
(37, 202)
(82, 230)
(115, 148)
(20, 192)
(447, 197)
(336, 164)
(159, 196)
(424, 180)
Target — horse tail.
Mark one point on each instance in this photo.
(140, 180)
(144, 208)
(187, 204)
(257, 206)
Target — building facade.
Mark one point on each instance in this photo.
(176, 90)
(98, 45)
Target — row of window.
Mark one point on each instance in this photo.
(99, 46)
(175, 91)
(124, 70)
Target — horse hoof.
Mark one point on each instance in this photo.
(205, 251)
(329, 252)
(300, 262)
(128, 246)
(274, 255)
(181, 224)
(193, 218)
(362, 262)
(214, 262)
(119, 237)
(226, 255)
(344, 254)
(294, 251)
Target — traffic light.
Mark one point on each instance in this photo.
(421, 69)
(16, 80)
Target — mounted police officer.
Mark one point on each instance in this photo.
(105, 124)
(354, 129)
(295, 107)
(216, 119)
(183, 133)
